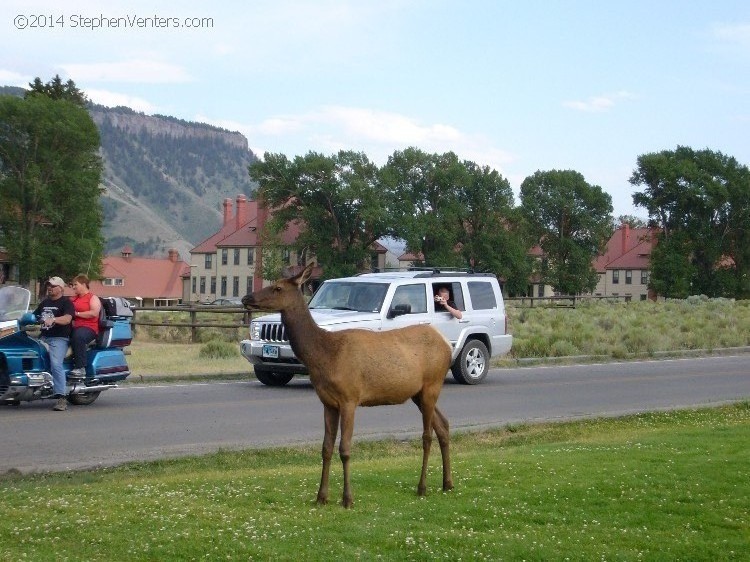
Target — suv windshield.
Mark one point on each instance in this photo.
(342, 295)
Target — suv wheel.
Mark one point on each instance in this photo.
(269, 378)
(472, 363)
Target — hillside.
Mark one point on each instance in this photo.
(164, 178)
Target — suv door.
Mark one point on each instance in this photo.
(415, 296)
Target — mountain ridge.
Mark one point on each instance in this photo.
(164, 179)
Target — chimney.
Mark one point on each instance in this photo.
(126, 252)
(241, 211)
(174, 255)
(227, 211)
(625, 237)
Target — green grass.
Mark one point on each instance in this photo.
(657, 486)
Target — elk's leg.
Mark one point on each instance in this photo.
(331, 427)
(440, 424)
(427, 406)
(347, 429)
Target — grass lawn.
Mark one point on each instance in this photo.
(657, 486)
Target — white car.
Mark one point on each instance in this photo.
(384, 301)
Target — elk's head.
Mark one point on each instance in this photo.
(280, 294)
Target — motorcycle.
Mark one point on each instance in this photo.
(24, 358)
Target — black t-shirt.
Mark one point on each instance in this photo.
(56, 308)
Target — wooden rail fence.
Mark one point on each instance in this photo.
(192, 318)
(561, 301)
(192, 313)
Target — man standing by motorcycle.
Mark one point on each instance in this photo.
(56, 314)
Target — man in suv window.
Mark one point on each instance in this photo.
(444, 302)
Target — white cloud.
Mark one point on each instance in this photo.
(737, 33)
(113, 99)
(376, 133)
(135, 71)
(597, 104)
(10, 78)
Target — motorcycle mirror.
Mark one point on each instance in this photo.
(27, 319)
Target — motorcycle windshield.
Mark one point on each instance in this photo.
(14, 302)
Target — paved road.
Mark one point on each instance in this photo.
(150, 422)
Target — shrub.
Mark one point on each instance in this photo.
(216, 349)
(563, 348)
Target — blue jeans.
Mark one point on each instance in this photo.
(80, 341)
(58, 348)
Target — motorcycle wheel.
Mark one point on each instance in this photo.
(83, 399)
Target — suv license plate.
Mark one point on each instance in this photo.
(270, 351)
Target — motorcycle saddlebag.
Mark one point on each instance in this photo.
(116, 306)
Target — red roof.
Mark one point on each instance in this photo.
(628, 248)
(242, 229)
(148, 278)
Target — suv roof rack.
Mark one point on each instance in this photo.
(442, 269)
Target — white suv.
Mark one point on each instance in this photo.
(383, 301)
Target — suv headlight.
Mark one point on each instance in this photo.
(254, 330)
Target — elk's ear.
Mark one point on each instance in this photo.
(301, 278)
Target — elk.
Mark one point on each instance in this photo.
(357, 367)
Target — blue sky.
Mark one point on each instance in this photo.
(519, 86)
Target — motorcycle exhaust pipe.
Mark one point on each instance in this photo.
(87, 389)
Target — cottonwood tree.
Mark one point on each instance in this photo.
(571, 219)
(700, 202)
(428, 212)
(50, 216)
(493, 232)
(337, 202)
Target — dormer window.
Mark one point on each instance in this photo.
(113, 282)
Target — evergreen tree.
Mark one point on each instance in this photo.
(50, 217)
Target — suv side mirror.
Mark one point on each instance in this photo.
(399, 310)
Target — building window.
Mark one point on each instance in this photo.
(224, 256)
(644, 277)
(113, 281)
(285, 255)
(223, 286)
(209, 261)
(250, 256)
(203, 286)
(628, 276)
(236, 286)
(194, 281)
(249, 286)
(213, 285)
(236, 256)
(615, 276)
(644, 297)
(540, 290)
